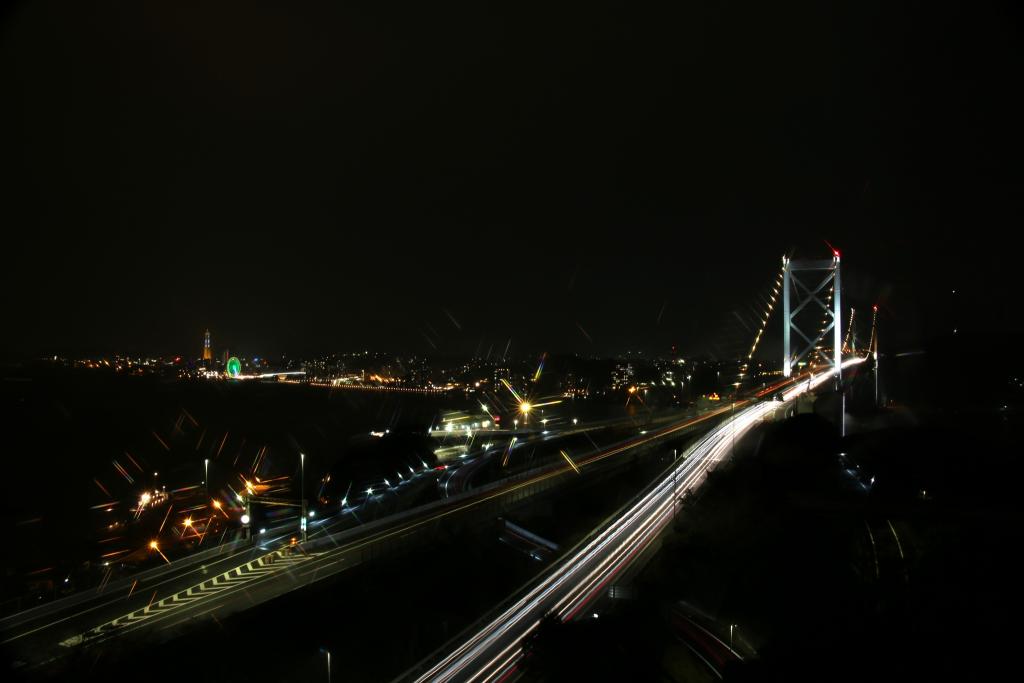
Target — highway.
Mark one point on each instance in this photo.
(490, 652)
(153, 605)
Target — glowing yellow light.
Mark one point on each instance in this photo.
(525, 407)
(188, 522)
(153, 545)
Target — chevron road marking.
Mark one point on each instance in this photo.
(265, 565)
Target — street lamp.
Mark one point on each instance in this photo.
(302, 494)
(153, 545)
(246, 516)
(328, 653)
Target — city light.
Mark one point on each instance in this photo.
(153, 545)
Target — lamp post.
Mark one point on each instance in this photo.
(206, 473)
(302, 494)
(328, 653)
(247, 520)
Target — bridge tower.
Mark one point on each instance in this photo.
(797, 295)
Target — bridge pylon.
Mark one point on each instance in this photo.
(797, 295)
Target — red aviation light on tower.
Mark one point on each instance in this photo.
(835, 252)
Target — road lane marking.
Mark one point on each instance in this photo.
(259, 568)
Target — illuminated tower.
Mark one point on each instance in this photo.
(207, 351)
(803, 296)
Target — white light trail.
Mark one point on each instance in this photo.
(572, 585)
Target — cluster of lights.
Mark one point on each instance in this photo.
(849, 330)
(356, 383)
(873, 343)
(149, 499)
(776, 288)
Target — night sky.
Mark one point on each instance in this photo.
(441, 177)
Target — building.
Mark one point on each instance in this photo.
(207, 351)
